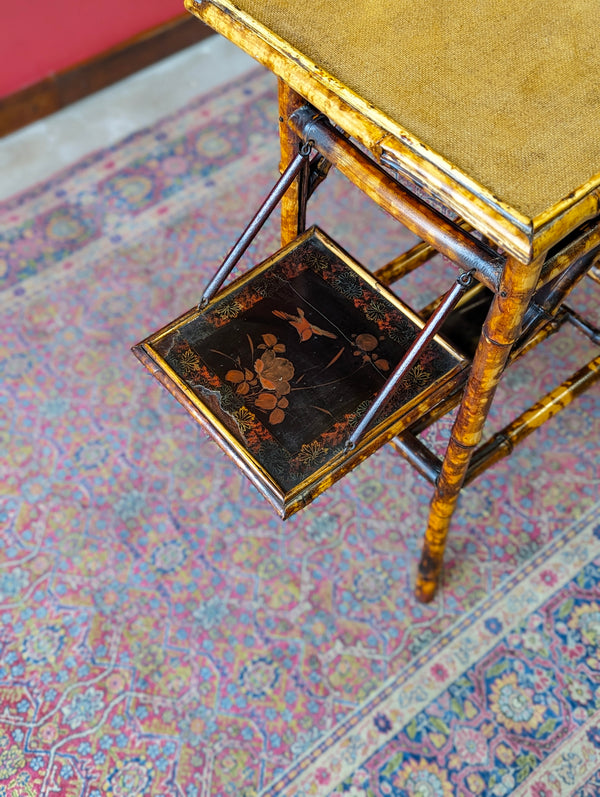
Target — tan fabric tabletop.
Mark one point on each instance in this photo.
(508, 93)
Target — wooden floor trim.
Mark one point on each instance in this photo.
(72, 84)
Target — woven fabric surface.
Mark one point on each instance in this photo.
(162, 633)
(508, 94)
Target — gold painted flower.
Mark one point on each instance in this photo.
(244, 419)
(419, 375)
(271, 342)
(189, 362)
(376, 311)
(311, 452)
(315, 261)
(229, 310)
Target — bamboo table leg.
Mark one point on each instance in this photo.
(500, 331)
(293, 205)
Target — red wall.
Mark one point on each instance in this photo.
(40, 37)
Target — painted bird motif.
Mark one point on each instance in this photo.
(303, 326)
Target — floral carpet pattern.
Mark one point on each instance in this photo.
(162, 633)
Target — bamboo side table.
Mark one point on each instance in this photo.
(492, 112)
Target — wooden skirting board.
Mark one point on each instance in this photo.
(72, 84)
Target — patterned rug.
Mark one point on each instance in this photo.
(162, 632)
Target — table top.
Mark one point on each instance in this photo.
(494, 108)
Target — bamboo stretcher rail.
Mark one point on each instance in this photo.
(584, 245)
(405, 263)
(410, 260)
(503, 443)
(433, 227)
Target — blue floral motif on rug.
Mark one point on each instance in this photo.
(523, 718)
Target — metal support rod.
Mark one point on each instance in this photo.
(319, 169)
(580, 323)
(546, 301)
(246, 238)
(462, 283)
(303, 178)
(418, 455)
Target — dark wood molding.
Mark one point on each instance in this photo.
(58, 90)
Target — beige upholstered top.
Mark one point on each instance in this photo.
(508, 93)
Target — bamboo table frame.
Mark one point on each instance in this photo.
(525, 252)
